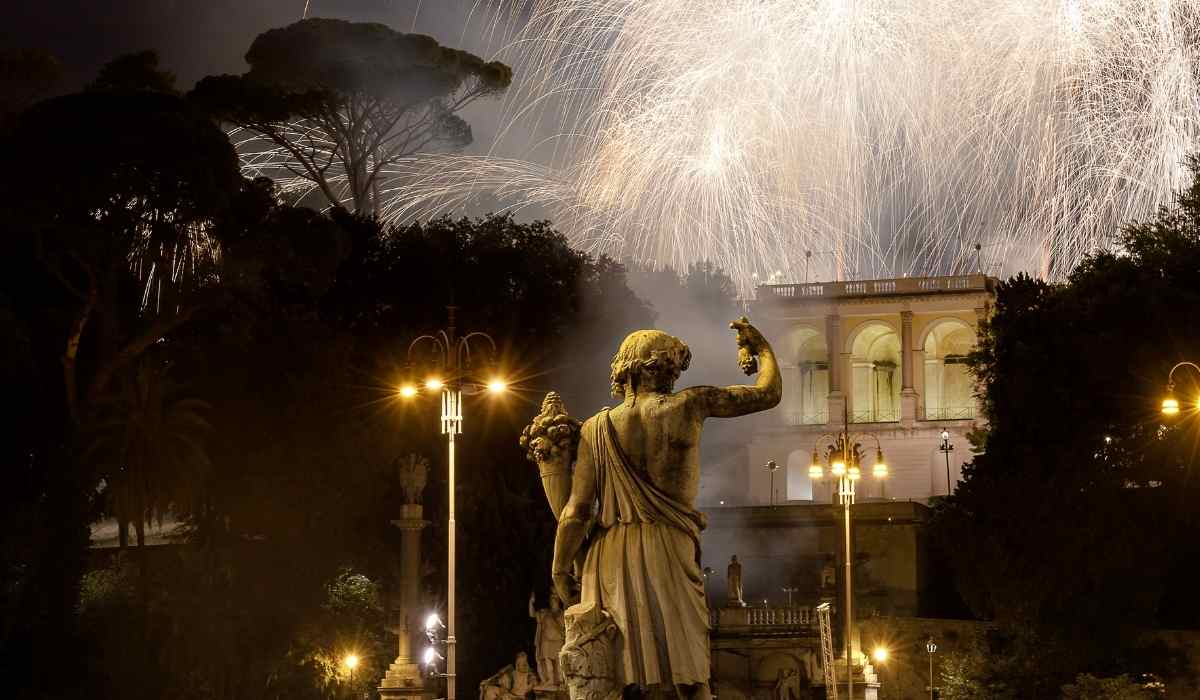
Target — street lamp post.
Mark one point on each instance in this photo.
(790, 590)
(931, 648)
(452, 367)
(843, 458)
(946, 448)
(1170, 404)
(772, 467)
(351, 662)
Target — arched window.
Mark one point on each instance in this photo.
(799, 484)
(949, 388)
(805, 365)
(875, 373)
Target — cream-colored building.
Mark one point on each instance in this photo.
(885, 356)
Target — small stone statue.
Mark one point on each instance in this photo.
(548, 640)
(733, 575)
(787, 685)
(412, 471)
(513, 682)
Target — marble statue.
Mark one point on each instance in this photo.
(733, 576)
(787, 685)
(627, 547)
(513, 682)
(548, 640)
(412, 471)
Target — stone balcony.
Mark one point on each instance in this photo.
(904, 286)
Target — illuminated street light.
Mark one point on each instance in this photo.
(946, 448)
(880, 655)
(844, 466)
(453, 355)
(351, 662)
(408, 391)
(1170, 404)
(931, 648)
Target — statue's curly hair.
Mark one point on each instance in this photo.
(648, 350)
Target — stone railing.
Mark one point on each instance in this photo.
(799, 616)
(903, 285)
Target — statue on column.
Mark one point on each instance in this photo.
(412, 471)
(548, 640)
(733, 576)
(627, 549)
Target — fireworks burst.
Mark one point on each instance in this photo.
(885, 138)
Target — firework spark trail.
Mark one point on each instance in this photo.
(888, 138)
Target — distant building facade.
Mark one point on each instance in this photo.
(886, 356)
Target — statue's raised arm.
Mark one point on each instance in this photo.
(754, 355)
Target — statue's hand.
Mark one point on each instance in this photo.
(750, 343)
(564, 586)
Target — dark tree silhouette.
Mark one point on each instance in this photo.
(330, 105)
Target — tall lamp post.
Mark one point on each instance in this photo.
(451, 376)
(931, 648)
(843, 458)
(1170, 404)
(946, 448)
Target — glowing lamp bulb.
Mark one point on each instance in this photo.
(880, 469)
(855, 474)
(816, 472)
(1170, 406)
(434, 384)
(428, 656)
(433, 621)
(880, 655)
(497, 386)
(408, 391)
(351, 661)
(838, 468)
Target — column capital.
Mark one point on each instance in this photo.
(411, 524)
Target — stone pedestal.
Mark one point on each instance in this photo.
(403, 678)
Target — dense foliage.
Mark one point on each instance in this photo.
(182, 346)
(1074, 525)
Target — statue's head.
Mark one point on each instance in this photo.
(522, 661)
(555, 602)
(649, 360)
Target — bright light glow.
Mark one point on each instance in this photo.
(434, 384)
(855, 474)
(838, 468)
(351, 661)
(429, 656)
(945, 434)
(1170, 406)
(880, 469)
(816, 472)
(885, 135)
(880, 655)
(497, 386)
(433, 621)
(408, 391)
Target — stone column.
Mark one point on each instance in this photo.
(403, 678)
(908, 395)
(833, 350)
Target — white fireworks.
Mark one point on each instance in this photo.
(883, 137)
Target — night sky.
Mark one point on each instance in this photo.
(194, 38)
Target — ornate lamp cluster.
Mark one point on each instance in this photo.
(845, 461)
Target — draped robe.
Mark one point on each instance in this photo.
(642, 567)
